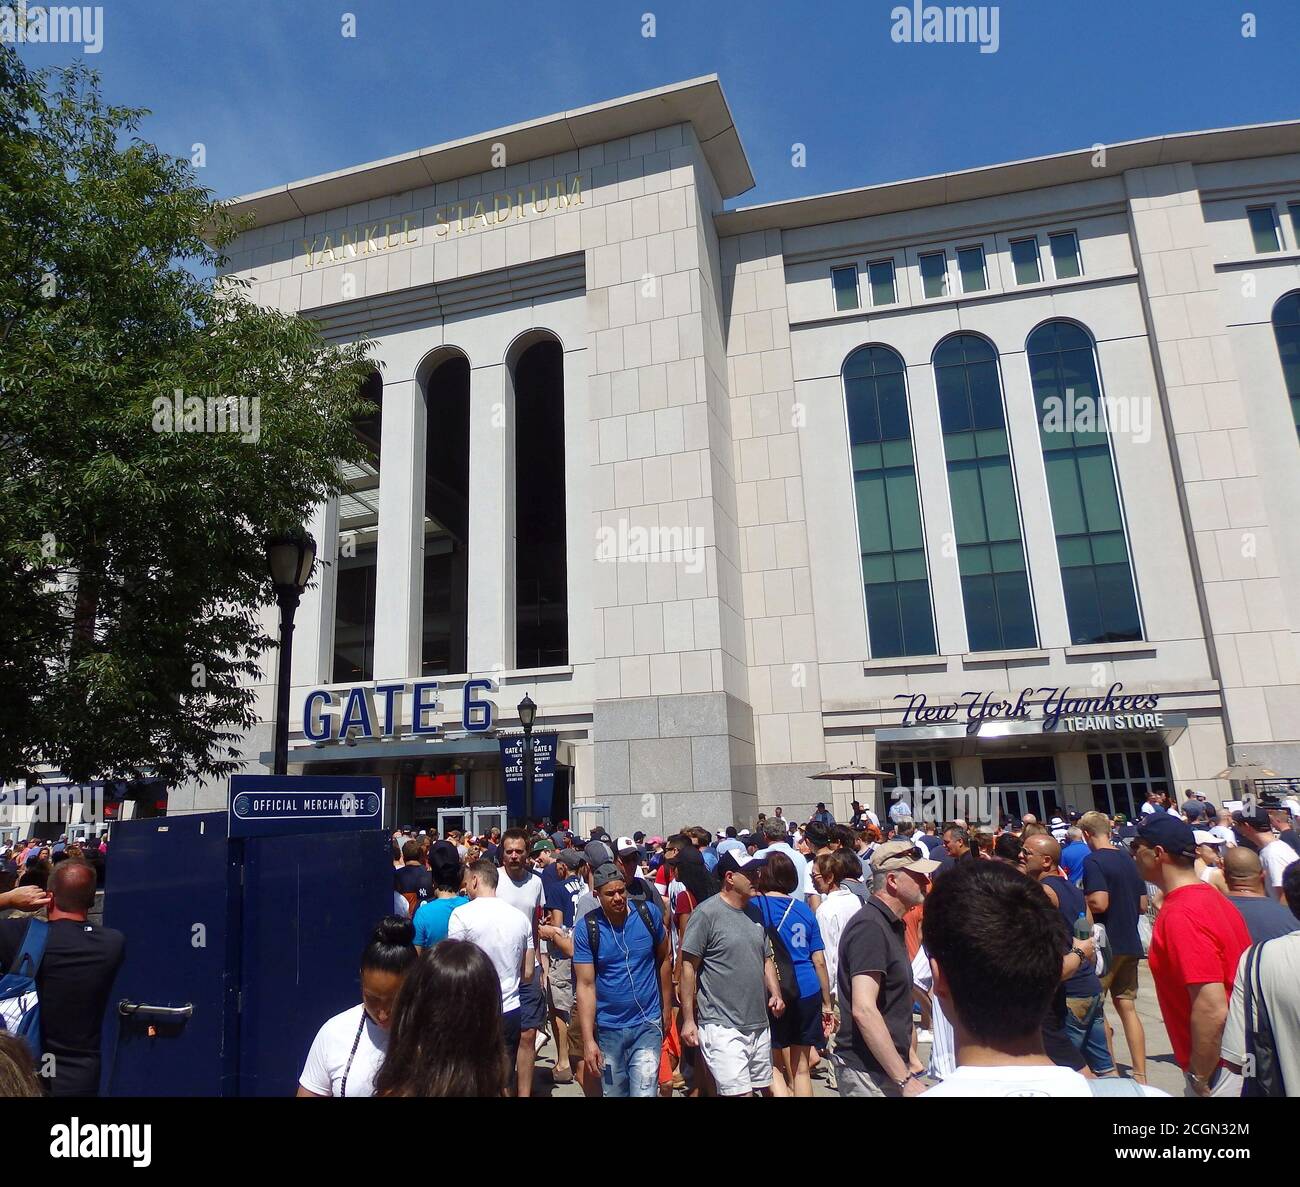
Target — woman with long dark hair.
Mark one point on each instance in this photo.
(446, 1038)
(350, 1047)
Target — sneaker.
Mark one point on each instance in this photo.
(542, 1039)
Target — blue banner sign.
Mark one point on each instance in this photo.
(512, 766)
(277, 805)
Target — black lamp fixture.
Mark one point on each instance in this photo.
(291, 557)
(527, 715)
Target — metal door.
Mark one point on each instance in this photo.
(484, 819)
(302, 944)
(171, 895)
(1038, 798)
(449, 818)
(590, 816)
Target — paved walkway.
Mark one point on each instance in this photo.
(1162, 1071)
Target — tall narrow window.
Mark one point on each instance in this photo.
(934, 274)
(1100, 601)
(845, 283)
(541, 567)
(894, 576)
(1294, 209)
(1286, 328)
(446, 519)
(1263, 228)
(990, 550)
(358, 551)
(1065, 255)
(1024, 257)
(881, 276)
(970, 263)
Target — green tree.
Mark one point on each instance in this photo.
(132, 565)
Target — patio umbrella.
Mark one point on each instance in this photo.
(1246, 772)
(852, 774)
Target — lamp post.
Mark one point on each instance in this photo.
(527, 715)
(291, 558)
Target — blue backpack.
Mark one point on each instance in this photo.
(20, 1007)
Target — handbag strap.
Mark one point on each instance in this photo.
(1248, 996)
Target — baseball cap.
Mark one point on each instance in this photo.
(902, 855)
(572, 858)
(626, 845)
(655, 841)
(607, 872)
(1171, 834)
(1205, 837)
(542, 846)
(597, 853)
(1257, 818)
(731, 862)
(1194, 809)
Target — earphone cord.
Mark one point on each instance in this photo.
(627, 967)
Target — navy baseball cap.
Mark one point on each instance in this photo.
(1171, 834)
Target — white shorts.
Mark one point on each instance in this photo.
(740, 1061)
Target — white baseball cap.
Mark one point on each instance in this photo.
(626, 845)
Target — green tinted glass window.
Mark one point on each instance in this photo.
(1065, 255)
(881, 277)
(934, 274)
(986, 518)
(845, 283)
(1263, 228)
(1100, 600)
(970, 263)
(900, 620)
(1286, 329)
(1024, 256)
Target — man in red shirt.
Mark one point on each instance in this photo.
(1198, 939)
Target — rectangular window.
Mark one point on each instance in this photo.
(881, 276)
(1065, 255)
(1024, 255)
(1114, 792)
(970, 262)
(845, 282)
(1263, 228)
(934, 274)
(1294, 208)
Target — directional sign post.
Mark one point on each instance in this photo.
(281, 805)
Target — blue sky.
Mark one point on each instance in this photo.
(275, 92)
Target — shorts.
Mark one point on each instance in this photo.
(561, 982)
(800, 1025)
(532, 1003)
(510, 1033)
(1087, 1030)
(575, 1038)
(739, 1060)
(852, 1081)
(1121, 979)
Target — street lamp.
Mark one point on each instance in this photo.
(527, 715)
(291, 558)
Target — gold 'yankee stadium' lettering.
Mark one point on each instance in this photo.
(500, 207)
(362, 239)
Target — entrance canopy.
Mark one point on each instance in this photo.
(1124, 731)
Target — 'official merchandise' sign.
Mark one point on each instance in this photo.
(277, 805)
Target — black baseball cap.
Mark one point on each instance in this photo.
(1171, 834)
(1257, 818)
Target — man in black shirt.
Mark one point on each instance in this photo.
(74, 981)
(413, 882)
(873, 1047)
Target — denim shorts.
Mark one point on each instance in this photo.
(1088, 1038)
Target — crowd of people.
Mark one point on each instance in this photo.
(756, 960)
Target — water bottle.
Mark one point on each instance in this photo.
(1081, 929)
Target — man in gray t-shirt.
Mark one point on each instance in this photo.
(728, 984)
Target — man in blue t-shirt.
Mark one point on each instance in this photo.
(624, 987)
(1117, 897)
(1073, 853)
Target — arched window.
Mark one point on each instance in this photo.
(358, 550)
(1286, 328)
(1100, 600)
(900, 619)
(981, 485)
(541, 568)
(444, 614)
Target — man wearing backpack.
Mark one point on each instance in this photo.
(74, 977)
(624, 986)
(1266, 1004)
